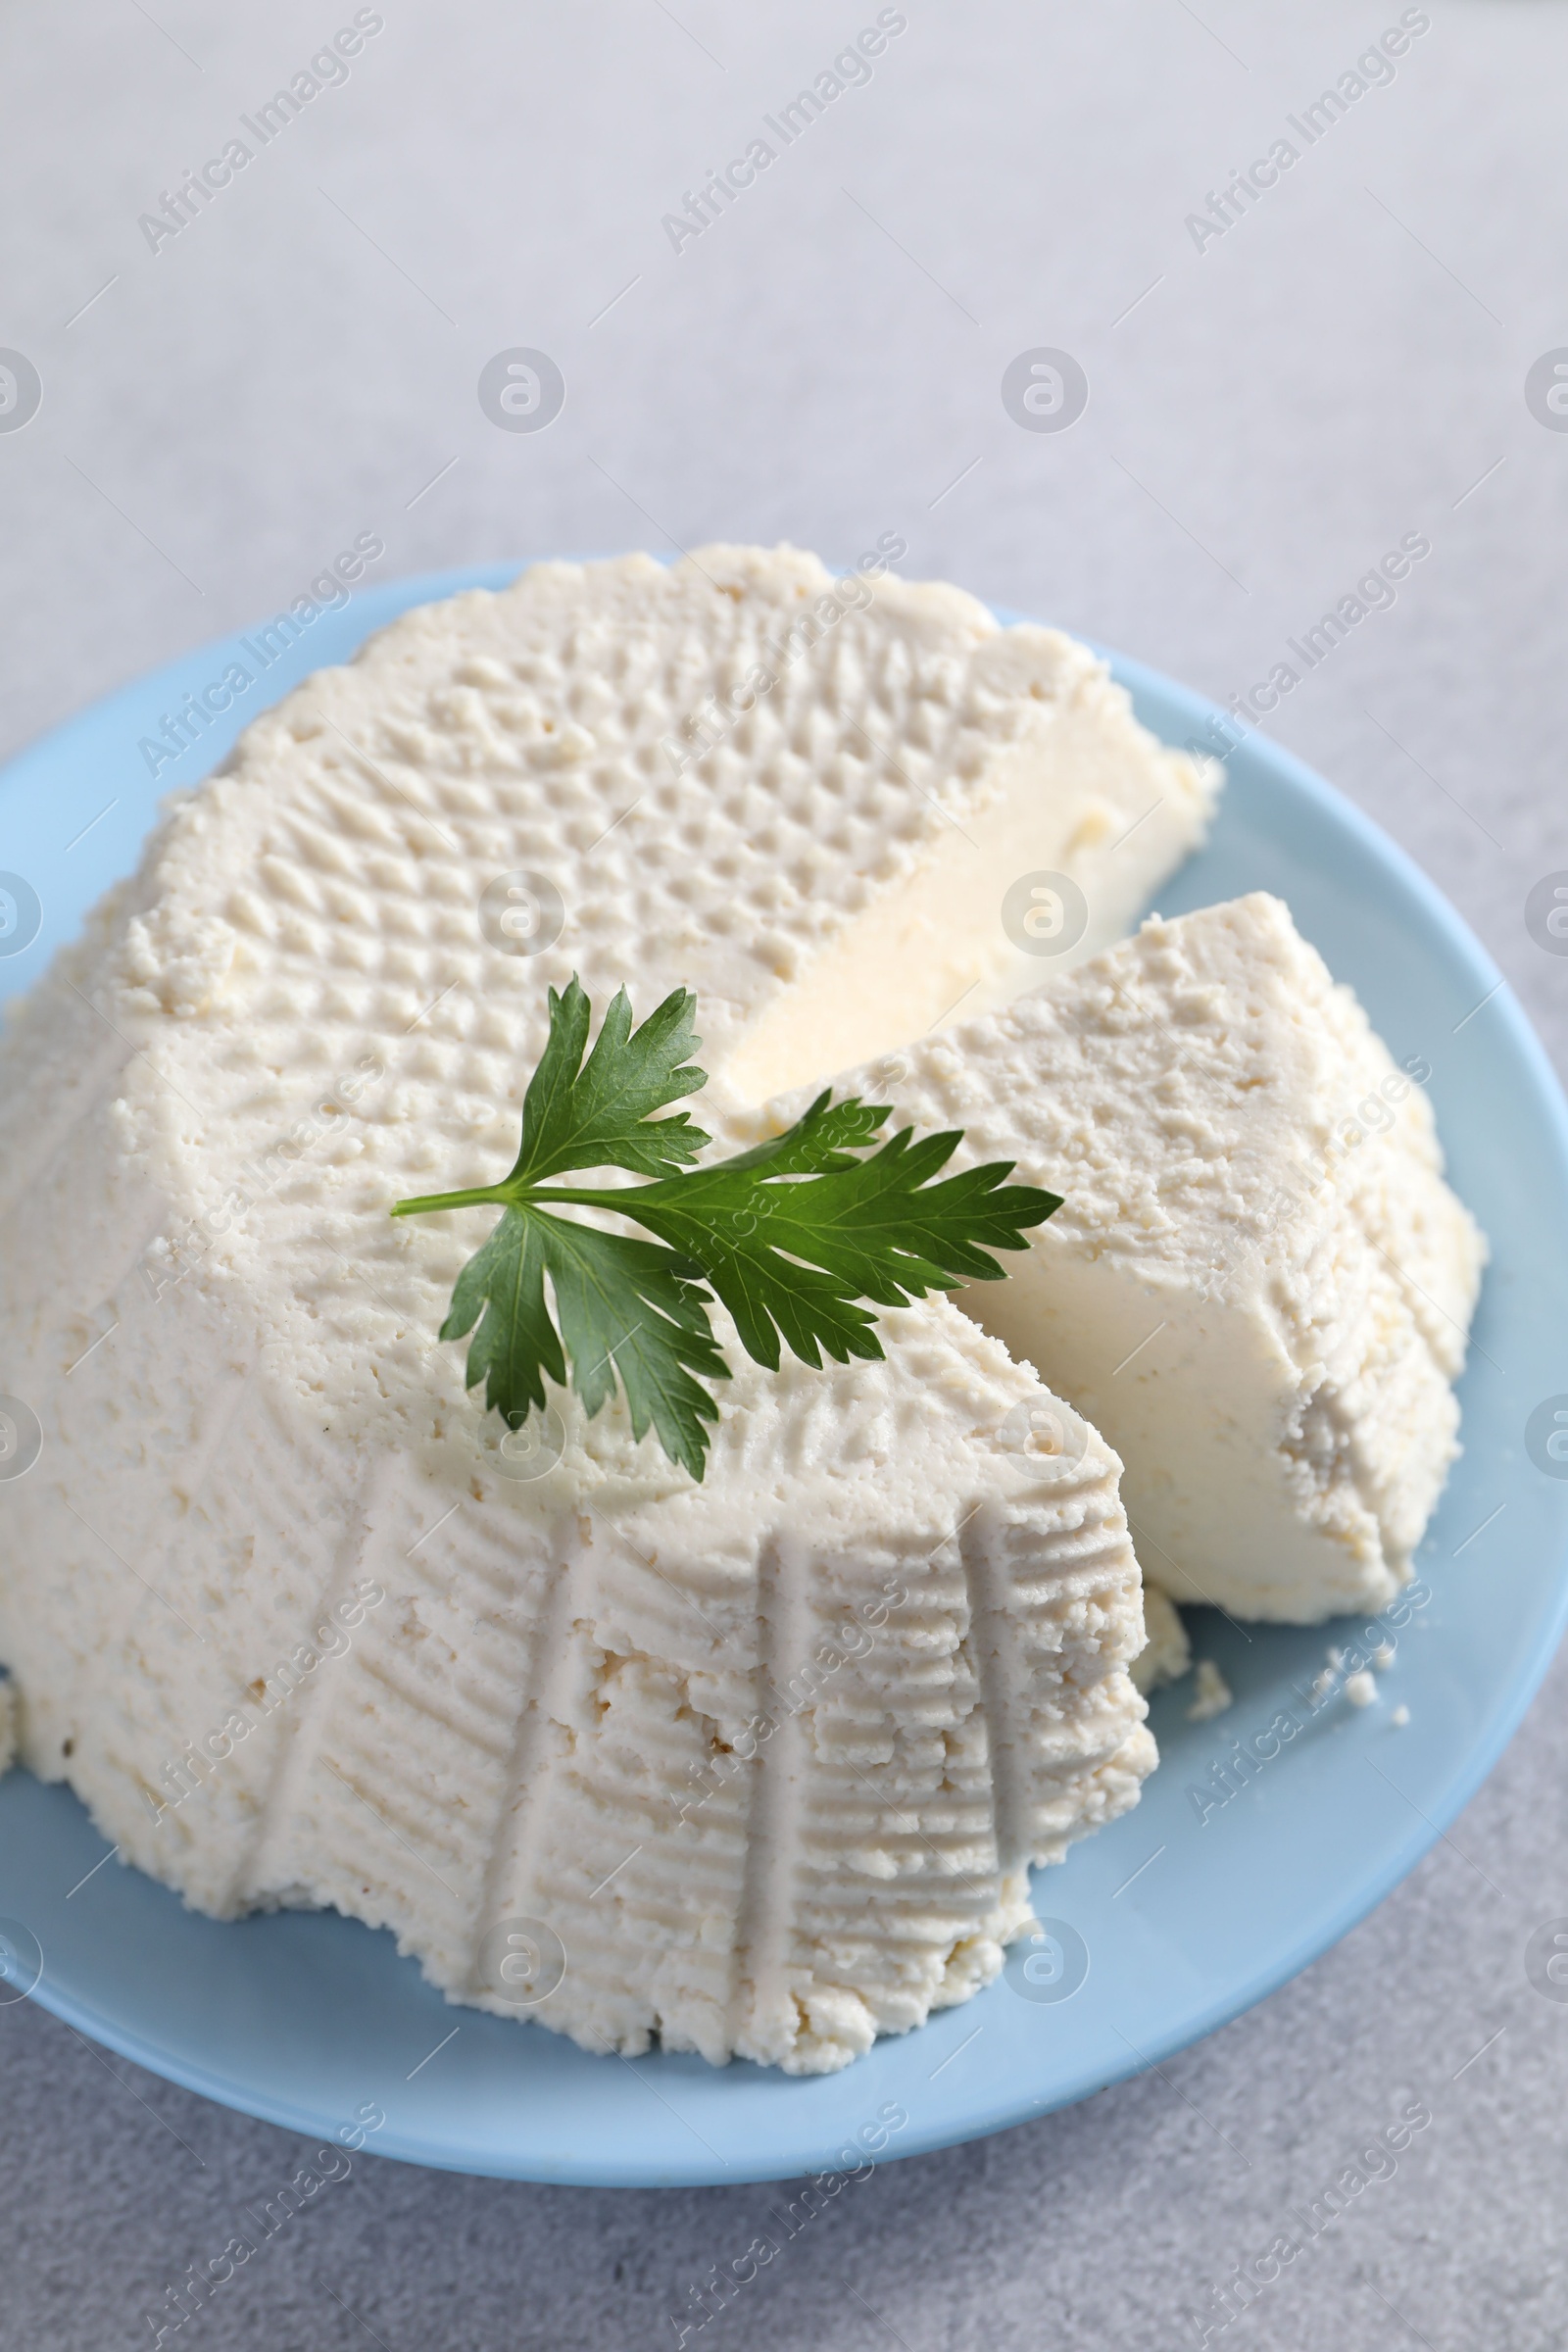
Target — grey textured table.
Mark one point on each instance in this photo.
(1273, 403)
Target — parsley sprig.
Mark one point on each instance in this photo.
(791, 1234)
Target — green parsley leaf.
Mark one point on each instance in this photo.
(597, 1116)
(791, 1234)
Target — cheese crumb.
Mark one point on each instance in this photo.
(1212, 1694)
(1399, 1717)
(1361, 1688)
(1383, 1656)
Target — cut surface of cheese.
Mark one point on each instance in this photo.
(1259, 1286)
(756, 1766)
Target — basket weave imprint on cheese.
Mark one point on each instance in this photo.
(290, 1017)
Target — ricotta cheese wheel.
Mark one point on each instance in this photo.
(1259, 1286)
(759, 1765)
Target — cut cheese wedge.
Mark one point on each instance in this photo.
(1259, 1286)
(281, 1604)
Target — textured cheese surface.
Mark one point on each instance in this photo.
(765, 1758)
(1259, 1286)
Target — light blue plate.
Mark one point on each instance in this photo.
(1188, 1910)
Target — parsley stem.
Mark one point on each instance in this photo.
(508, 1196)
(475, 1199)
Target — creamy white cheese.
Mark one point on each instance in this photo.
(1166, 1653)
(762, 1762)
(1259, 1286)
(1212, 1693)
